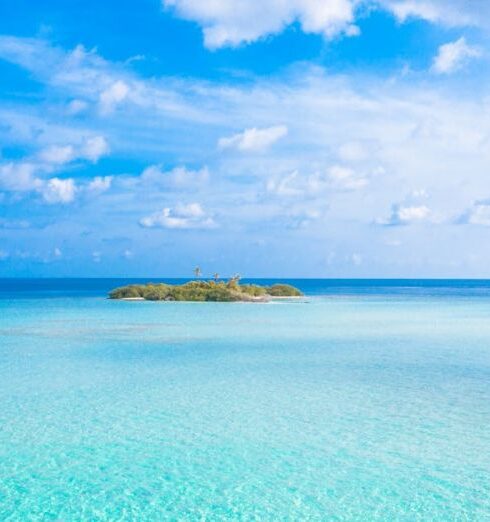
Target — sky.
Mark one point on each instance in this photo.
(280, 138)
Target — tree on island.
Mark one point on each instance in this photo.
(197, 272)
(234, 281)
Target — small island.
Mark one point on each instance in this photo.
(217, 291)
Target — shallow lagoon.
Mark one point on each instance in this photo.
(347, 407)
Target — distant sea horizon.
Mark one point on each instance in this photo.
(100, 286)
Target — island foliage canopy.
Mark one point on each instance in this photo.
(225, 291)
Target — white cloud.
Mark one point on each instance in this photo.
(58, 155)
(100, 184)
(451, 13)
(254, 139)
(425, 9)
(452, 56)
(91, 148)
(58, 190)
(113, 96)
(335, 178)
(177, 178)
(344, 178)
(230, 23)
(406, 215)
(478, 214)
(94, 148)
(18, 177)
(290, 185)
(403, 125)
(181, 217)
(76, 107)
(30, 176)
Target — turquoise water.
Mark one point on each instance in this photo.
(345, 407)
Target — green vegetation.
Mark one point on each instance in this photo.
(223, 291)
(282, 290)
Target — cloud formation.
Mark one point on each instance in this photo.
(113, 96)
(58, 155)
(33, 174)
(58, 190)
(178, 178)
(92, 149)
(452, 56)
(453, 13)
(407, 214)
(253, 140)
(477, 214)
(334, 178)
(230, 23)
(18, 176)
(182, 216)
(100, 184)
(360, 145)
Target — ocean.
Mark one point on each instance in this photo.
(369, 400)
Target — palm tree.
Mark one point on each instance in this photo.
(216, 276)
(197, 272)
(234, 280)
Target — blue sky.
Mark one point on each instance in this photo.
(305, 138)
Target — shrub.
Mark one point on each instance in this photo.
(282, 290)
(204, 291)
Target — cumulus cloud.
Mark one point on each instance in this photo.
(58, 190)
(100, 184)
(94, 148)
(34, 176)
(254, 139)
(59, 155)
(477, 214)
(91, 149)
(452, 56)
(407, 214)
(113, 96)
(230, 23)
(18, 177)
(30, 175)
(181, 217)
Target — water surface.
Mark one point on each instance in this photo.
(370, 401)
